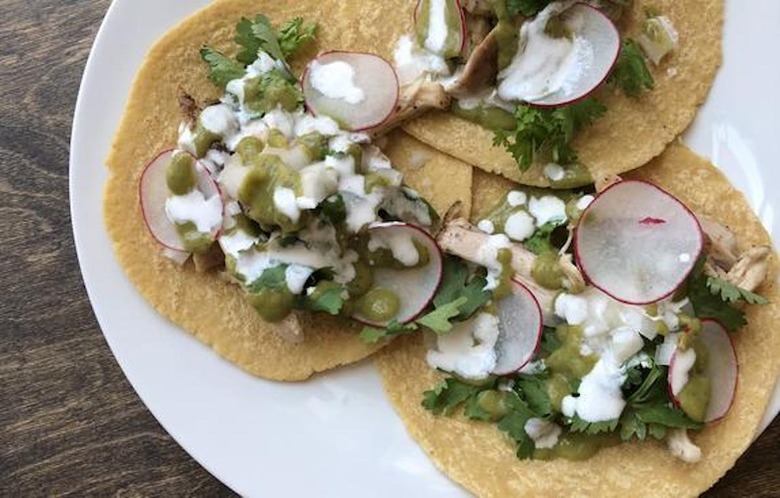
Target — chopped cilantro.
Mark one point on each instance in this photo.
(630, 72)
(371, 335)
(222, 69)
(548, 131)
(456, 284)
(534, 391)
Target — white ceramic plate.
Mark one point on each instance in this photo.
(335, 435)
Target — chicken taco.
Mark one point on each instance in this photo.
(267, 228)
(607, 341)
(556, 93)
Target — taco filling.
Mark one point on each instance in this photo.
(584, 319)
(298, 209)
(527, 70)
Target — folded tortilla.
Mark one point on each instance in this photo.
(634, 130)
(480, 458)
(213, 310)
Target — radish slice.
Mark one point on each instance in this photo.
(520, 330)
(414, 287)
(450, 40)
(153, 193)
(722, 369)
(599, 40)
(637, 243)
(358, 90)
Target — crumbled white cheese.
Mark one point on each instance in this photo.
(336, 80)
(544, 433)
(468, 349)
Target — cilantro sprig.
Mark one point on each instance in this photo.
(630, 73)
(255, 35)
(548, 132)
(714, 298)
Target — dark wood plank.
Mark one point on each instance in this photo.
(70, 424)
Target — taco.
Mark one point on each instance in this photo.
(536, 96)
(612, 396)
(272, 272)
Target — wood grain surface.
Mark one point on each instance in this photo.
(70, 424)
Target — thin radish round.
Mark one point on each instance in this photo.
(358, 90)
(637, 243)
(520, 330)
(596, 46)
(721, 370)
(446, 34)
(415, 287)
(153, 194)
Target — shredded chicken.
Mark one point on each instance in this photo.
(575, 282)
(481, 69)
(415, 98)
(681, 446)
(751, 268)
(460, 238)
(721, 243)
(188, 106)
(289, 329)
(478, 28)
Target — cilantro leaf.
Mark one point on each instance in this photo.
(475, 412)
(527, 8)
(513, 424)
(448, 395)
(246, 39)
(666, 415)
(632, 427)
(550, 341)
(579, 425)
(272, 278)
(730, 293)
(294, 34)
(329, 300)
(708, 305)
(456, 284)
(371, 335)
(630, 72)
(534, 391)
(222, 69)
(547, 131)
(438, 320)
(266, 38)
(540, 242)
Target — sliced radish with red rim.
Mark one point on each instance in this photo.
(447, 42)
(599, 42)
(153, 193)
(358, 90)
(520, 330)
(722, 370)
(415, 287)
(637, 243)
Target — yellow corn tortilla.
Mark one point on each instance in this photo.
(634, 130)
(213, 310)
(479, 457)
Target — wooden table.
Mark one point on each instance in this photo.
(69, 421)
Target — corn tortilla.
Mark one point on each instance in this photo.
(213, 310)
(634, 130)
(479, 457)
